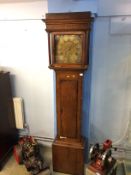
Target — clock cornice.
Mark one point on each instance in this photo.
(74, 21)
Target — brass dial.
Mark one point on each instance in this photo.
(68, 48)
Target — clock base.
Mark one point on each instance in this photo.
(68, 156)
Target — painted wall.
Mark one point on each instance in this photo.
(107, 104)
(22, 9)
(111, 7)
(110, 104)
(24, 52)
(77, 6)
(72, 5)
(111, 85)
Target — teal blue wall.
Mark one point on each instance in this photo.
(107, 84)
(72, 5)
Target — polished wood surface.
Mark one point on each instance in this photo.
(8, 132)
(76, 23)
(68, 38)
(68, 156)
(69, 93)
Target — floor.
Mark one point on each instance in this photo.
(127, 167)
(12, 168)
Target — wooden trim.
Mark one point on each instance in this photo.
(68, 21)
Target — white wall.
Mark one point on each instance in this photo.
(24, 52)
(120, 25)
(21, 9)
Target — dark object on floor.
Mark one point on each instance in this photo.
(27, 152)
(101, 160)
(8, 131)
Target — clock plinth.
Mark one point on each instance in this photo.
(68, 156)
(68, 37)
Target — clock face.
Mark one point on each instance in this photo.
(68, 48)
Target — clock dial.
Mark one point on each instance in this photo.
(68, 48)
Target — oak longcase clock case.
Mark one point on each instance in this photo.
(68, 37)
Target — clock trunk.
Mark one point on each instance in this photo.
(69, 93)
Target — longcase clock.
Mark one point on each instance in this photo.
(68, 37)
